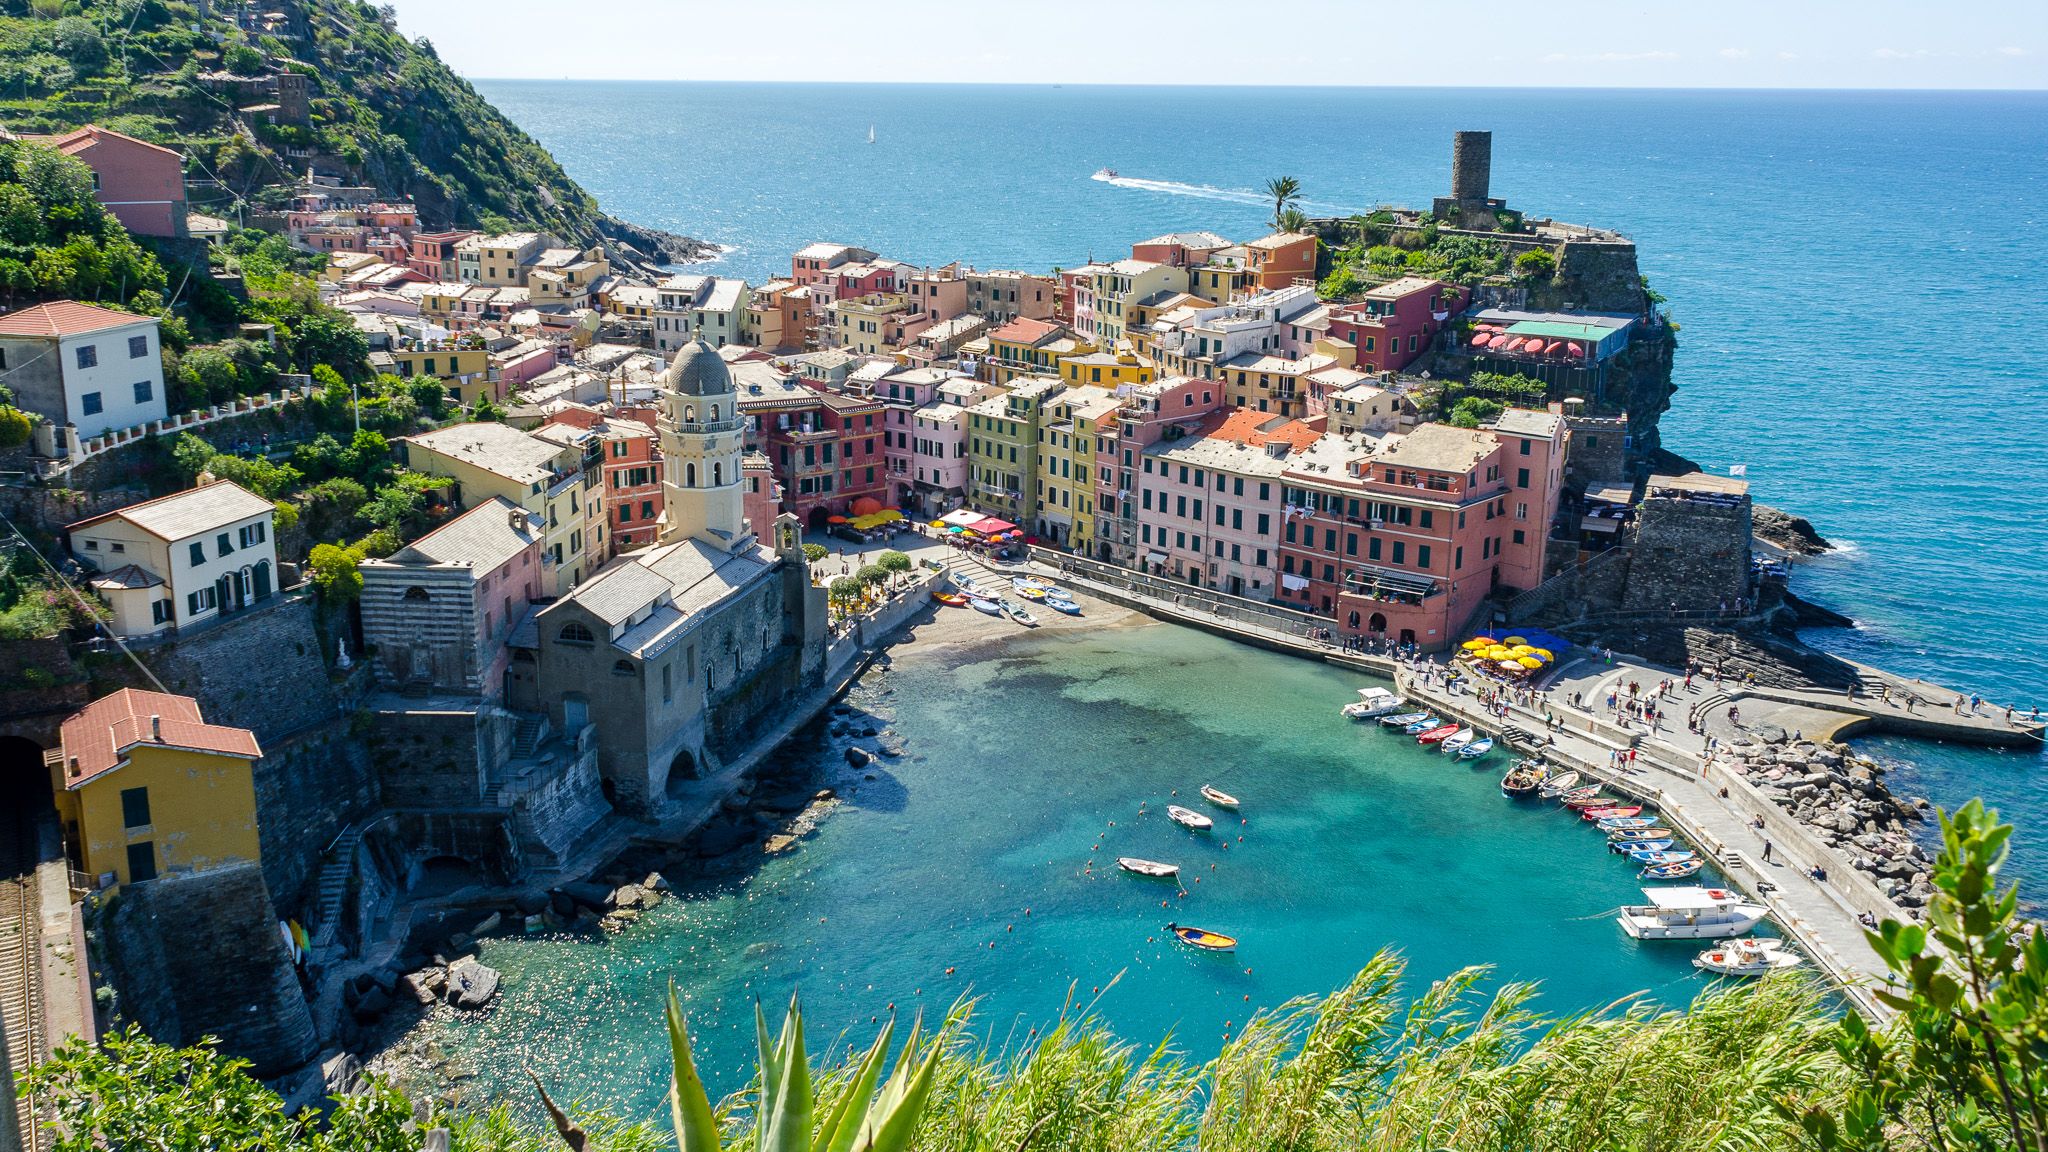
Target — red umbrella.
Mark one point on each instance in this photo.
(835, 519)
(1479, 341)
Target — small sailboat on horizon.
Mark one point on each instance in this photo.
(871, 133)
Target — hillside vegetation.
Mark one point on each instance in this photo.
(385, 109)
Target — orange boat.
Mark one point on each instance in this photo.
(950, 599)
(1203, 938)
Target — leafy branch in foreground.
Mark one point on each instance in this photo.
(1965, 1066)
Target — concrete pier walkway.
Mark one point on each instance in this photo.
(1718, 813)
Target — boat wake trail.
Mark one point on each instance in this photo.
(1176, 188)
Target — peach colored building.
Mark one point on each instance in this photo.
(142, 184)
(1209, 504)
(632, 466)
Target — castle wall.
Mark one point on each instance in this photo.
(1692, 556)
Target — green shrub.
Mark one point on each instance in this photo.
(893, 561)
(334, 573)
(814, 552)
(15, 426)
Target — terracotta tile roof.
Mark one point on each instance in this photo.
(95, 739)
(66, 318)
(75, 141)
(1024, 331)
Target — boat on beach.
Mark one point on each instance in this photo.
(1690, 914)
(950, 599)
(984, 604)
(1753, 956)
(1558, 785)
(1203, 938)
(1372, 703)
(1437, 735)
(1459, 740)
(1218, 797)
(1476, 749)
(1064, 606)
(1143, 867)
(1401, 719)
(1679, 870)
(1189, 818)
(1017, 612)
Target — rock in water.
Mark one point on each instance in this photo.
(858, 757)
(471, 985)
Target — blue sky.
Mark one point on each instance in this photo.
(1574, 43)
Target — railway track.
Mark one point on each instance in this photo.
(20, 955)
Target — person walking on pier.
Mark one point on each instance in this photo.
(1767, 851)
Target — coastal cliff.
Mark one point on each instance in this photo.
(257, 98)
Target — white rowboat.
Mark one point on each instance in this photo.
(1189, 818)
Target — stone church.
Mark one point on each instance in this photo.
(676, 651)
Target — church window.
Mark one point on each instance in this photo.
(714, 413)
(622, 668)
(575, 633)
(689, 475)
(689, 413)
(717, 474)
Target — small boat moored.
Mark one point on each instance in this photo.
(1611, 812)
(1401, 719)
(1437, 734)
(1203, 938)
(1218, 797)
(1462, 738)
(1523, 781)
(1147, 867)
(1372, 703)
(1631, 847)
(1749, 957)
(1626, 835)
(1625, 823)
(1189, 818)
(1476, 749)
(1661, 856)
(1426, 724)
(1559, 785)
(1586, 792)
(1676, 871)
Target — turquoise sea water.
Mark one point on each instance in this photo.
(1860, 277)
(1026, 760)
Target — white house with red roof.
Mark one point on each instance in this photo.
(92, 368)
(182, 559)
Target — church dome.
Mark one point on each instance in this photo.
(697, 370)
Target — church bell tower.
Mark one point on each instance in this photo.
(702, 439)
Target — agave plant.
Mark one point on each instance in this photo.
(785, 1117)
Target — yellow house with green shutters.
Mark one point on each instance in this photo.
(1069, 438)
(145, 787)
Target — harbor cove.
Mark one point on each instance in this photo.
(1007, 608)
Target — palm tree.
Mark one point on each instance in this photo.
(1284, 190)
(1291, 220)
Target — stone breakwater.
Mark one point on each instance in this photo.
(1842, 797)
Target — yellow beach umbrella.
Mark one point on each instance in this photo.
(1529, 662)
(1521, 649)
(1542, 653)
(1478, 643)
(1515, 640)
(938, 524)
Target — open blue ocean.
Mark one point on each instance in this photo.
(1861, 279)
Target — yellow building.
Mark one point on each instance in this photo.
(1108, 369)
(560, 484)
(465, 371)
(145, 787)
(1068, 438)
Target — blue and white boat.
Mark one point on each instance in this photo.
(1423, 725)
(1476, 749)
(1678, 857)
(1459, 740)
(1066, 606)
(1618, 823)
(1632, 847)
(1403, 719)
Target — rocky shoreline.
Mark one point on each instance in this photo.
(1841, 796)
(1793, 535)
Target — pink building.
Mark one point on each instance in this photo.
(939, 293)
(1180, 249)
(432, 254)
(141, 183)
(813, 262)
(1395, 322)
(1404, 537)
(520, 364)
(1209, 507)
(1178, 405)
